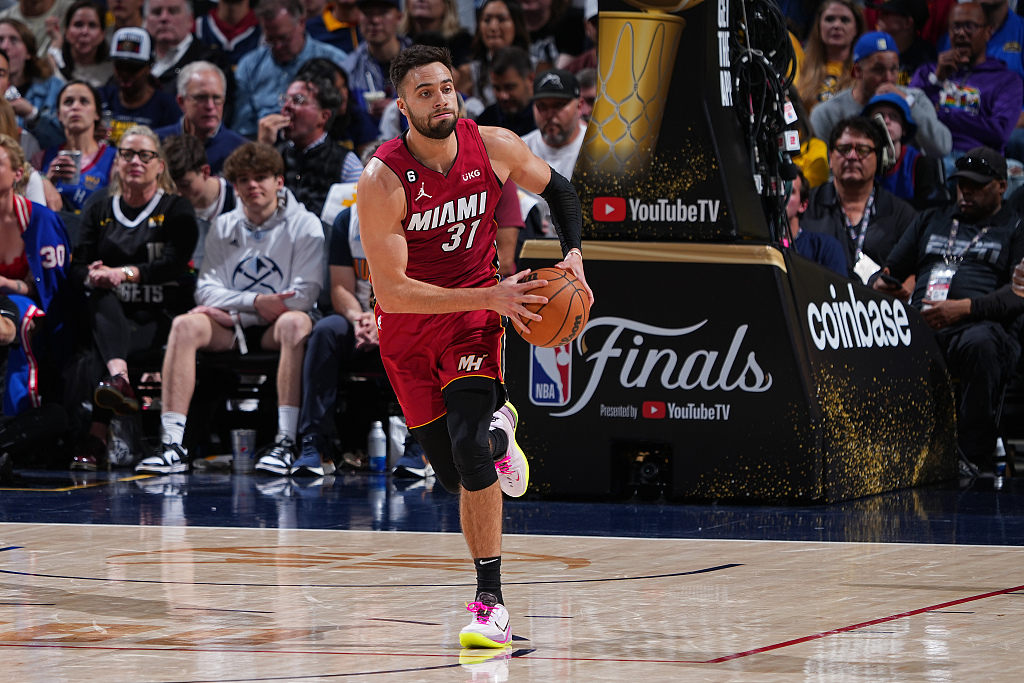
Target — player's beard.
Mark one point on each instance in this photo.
(435, 130)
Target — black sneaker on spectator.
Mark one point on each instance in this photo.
(277, 458)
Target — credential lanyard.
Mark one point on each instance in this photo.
(956, 259)
(857, 234)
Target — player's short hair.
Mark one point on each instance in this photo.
(253, 157)
(184, 153)
(414, 57)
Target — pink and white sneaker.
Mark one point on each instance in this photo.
(513, 469)
(490, 627)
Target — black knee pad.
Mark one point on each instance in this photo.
(469, 423)
(433, 438)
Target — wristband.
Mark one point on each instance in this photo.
(33, 117)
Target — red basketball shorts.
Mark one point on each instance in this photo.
(425, 355)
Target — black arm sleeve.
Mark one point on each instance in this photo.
(566, 214)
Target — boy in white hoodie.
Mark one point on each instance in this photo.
(261, 276)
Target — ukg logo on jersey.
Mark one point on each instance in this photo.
(551, 375)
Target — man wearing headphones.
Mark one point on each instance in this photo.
(866, 219)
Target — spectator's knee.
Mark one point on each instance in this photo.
(187, 329)
(293, 327)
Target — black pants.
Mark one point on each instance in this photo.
(119, 331)
(980, 355)
(331, 346)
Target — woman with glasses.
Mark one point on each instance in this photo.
(82, 164)
(828, 52)
(867, 219)
(80, 52)
(133, 254)
(34, 88)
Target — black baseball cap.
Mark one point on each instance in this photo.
(982, 165)
(556, 83)
(915, 9)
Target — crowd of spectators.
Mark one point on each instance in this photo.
(910, 115)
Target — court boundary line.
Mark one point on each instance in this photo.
(183, 527)
(704, 570)
(715, 660)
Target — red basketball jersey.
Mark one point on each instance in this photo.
(449, 219)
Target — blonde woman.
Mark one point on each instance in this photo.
(133, 254)
(828, 53)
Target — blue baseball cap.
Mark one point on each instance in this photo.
(909, 125)
(870, 43)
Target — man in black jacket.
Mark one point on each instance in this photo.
(312, 161)
(853, 207)
(963, 258)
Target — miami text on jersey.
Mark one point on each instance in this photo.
(454, 211)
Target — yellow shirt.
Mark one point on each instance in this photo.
(813, 161)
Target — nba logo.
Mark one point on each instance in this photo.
(550, 375)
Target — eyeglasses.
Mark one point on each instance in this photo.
(297, 99)
(978, 165)
(968, 27)
(145, 156)
(862, 150)
(204, 99)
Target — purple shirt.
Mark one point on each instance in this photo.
(979, 105)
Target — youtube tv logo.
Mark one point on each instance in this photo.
(654, 410)
(610, 209)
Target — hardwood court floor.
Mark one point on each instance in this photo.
(181, 603)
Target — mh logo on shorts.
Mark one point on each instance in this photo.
(551, 375)
(471, 363)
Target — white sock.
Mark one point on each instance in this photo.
(287, 422)
(174, 427)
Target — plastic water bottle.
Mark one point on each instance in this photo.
(377, 448)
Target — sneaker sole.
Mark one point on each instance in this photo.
(158, 469)
(476, 640)
(272, 469)
(115, 401)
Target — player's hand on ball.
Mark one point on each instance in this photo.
(510, 296)
(573, 262)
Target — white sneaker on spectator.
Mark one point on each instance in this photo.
(277, 458)
(168, 459)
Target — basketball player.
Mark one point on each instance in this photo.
(426, 207)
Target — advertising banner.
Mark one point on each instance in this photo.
(731, 372)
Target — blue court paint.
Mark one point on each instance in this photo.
(11, 547)
(972, 514)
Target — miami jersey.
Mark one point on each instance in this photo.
(449, 218)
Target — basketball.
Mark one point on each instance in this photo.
(566, 312)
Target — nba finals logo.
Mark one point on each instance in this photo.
(551, 375)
